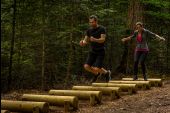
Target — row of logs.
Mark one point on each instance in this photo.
(69, 99)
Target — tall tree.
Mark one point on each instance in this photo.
(43, 46)
(135, 13)
(12, 45)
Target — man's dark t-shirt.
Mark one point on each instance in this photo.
(96, 33)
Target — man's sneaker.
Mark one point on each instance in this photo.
(108, 76)
(95, 78)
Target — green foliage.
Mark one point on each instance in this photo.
(158, 21)
(67, 21)
(157, 3)
(159, 15)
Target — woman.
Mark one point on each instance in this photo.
(141, 35)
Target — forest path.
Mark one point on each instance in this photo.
(155, 100)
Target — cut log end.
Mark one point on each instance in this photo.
(5, 111)
(24, 106)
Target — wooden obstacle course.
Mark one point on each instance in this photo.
(94, 96)
(25, 106)
(130, 88)
(112, 91)
(155, 82)
(66, 101)
(5, 111)
(140, 84)
(69, 98)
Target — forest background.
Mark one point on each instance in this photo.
(37, 49)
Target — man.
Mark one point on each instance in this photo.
(96, 36)
(141, 36)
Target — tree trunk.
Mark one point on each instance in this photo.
(134, 15)
(19, 73)
(70, 59)
(168, 52)
(12, 46)
(43, 48)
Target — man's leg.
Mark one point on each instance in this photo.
(97, 70)
(88, 65)
(103, 71)
(90, 69)
(99, 66)
(100, 70)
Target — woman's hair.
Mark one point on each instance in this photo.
(93, 17)
(139, 23)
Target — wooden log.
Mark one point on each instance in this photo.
(112, 91)
(92, 100)
(36, 110)
(140, 84)
(153, 81)
(66, 106)
(25, 106)
(92, 95)
(5, 111)
(53, 100)
(130, 88)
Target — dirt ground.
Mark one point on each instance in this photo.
(156, 100)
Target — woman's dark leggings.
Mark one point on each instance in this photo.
(140, 56)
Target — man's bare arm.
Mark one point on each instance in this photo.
(84, 41)
(100, 40)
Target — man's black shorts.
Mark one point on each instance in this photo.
(96, 58)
